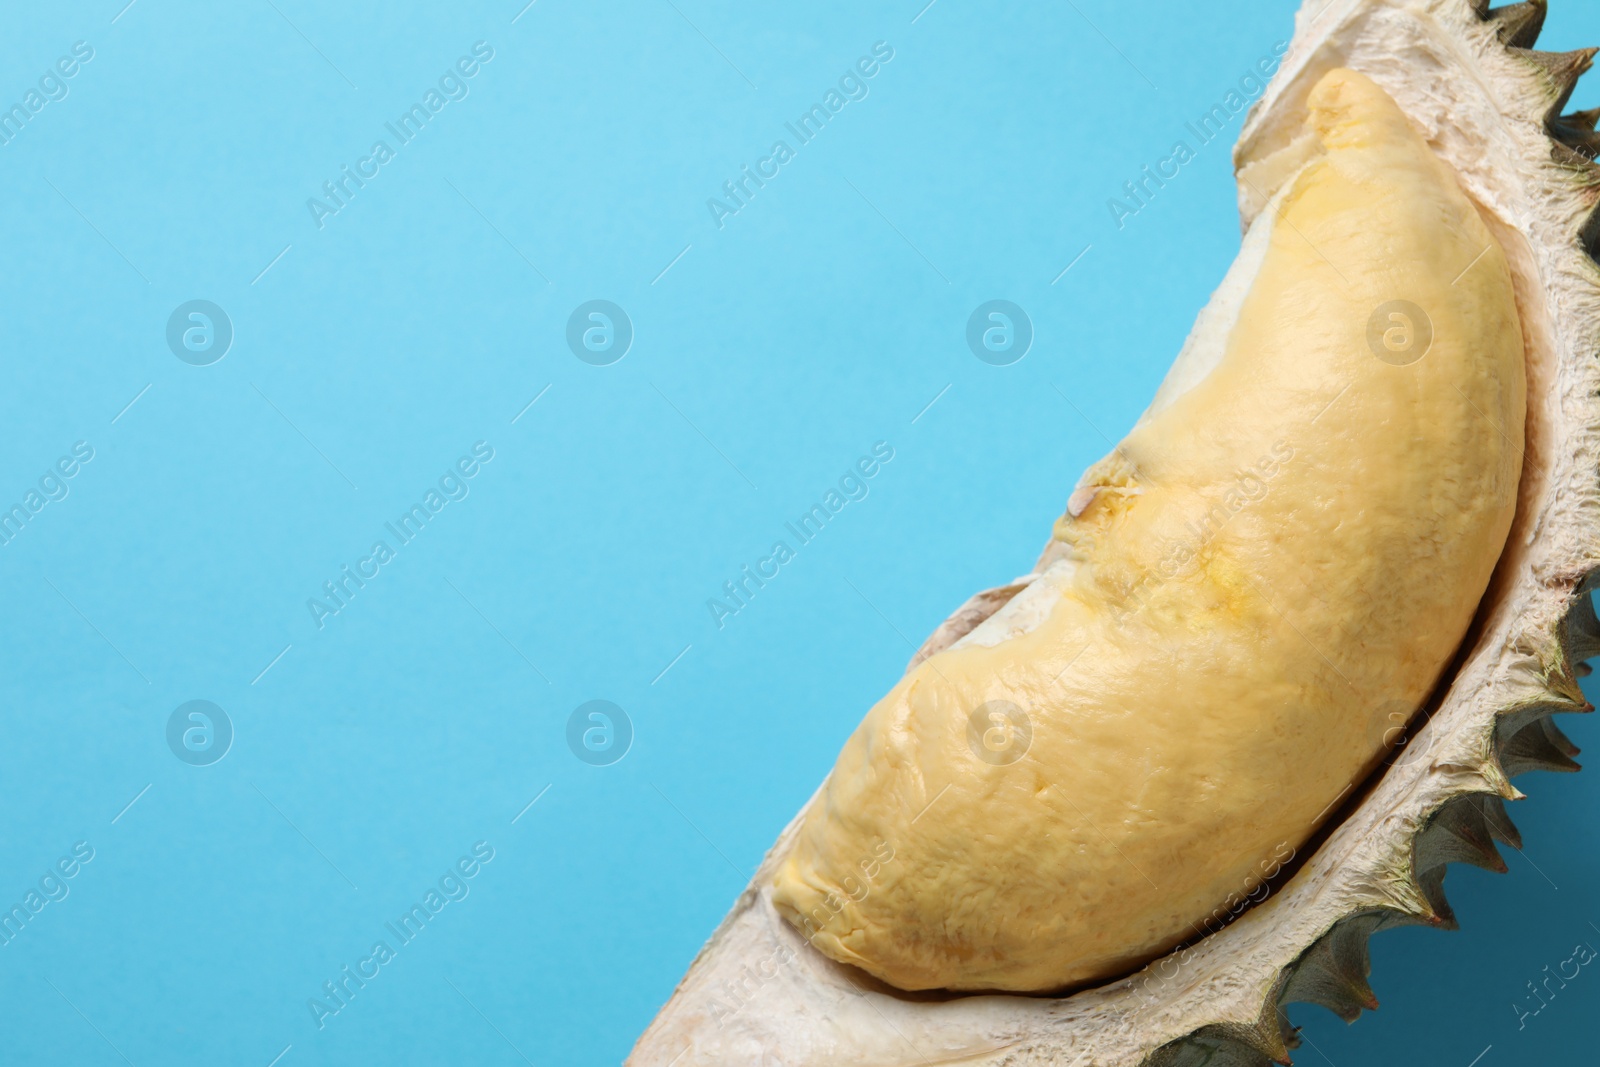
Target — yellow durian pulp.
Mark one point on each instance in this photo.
(1243, 607)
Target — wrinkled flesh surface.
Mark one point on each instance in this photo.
(1249, 598)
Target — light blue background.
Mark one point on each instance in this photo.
(822, 318)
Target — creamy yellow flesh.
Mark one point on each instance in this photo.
(1273, 573)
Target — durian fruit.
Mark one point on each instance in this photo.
(1420, 239)
(1287, 548)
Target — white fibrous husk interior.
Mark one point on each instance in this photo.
(1493, 108)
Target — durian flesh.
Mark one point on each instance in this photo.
(1246, 601)
(1490, 109)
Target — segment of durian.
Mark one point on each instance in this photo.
(1492, 109)
(1140, 808)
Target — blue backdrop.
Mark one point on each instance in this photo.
(313, 419)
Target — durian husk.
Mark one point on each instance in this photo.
(1493, 108)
